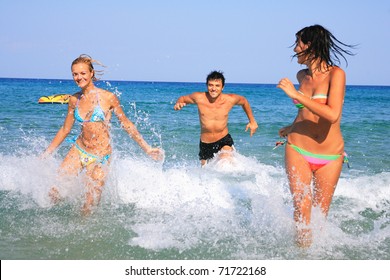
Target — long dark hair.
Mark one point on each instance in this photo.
(322, 45)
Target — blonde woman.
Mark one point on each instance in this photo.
(92, 107)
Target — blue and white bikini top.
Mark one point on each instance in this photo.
(97, 114)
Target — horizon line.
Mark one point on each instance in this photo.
(188, 82)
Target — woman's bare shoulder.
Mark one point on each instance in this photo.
(73, 98)
(301, 74)
(335, 70)
(106, 95)
(337, 74)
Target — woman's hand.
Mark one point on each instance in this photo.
(156, 153)
(284, 131)
(288, 87)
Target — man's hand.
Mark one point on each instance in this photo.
(179, 105)
(252, 126)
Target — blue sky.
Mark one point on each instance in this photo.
(172, 40)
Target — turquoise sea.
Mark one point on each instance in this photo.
(175, 209)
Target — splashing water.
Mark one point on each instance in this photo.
(239, 208)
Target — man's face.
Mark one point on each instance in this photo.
(214, 87)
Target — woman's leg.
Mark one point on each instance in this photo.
(299, 175)
(96, 176)
(325, 182)
(70, 166)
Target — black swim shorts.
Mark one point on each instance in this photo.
(207, 150)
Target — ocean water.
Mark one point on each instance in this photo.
(175, 209)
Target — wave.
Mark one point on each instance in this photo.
(237, 208)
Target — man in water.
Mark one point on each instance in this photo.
(214, 107)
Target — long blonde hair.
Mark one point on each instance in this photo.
(84, 58)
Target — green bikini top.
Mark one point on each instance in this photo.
(318, 97)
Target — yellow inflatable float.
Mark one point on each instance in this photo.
(62, 98)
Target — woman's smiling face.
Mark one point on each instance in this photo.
(82, 75)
